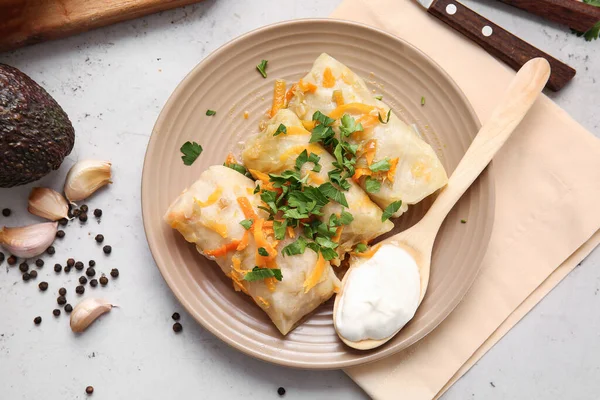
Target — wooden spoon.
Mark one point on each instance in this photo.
(419, 239)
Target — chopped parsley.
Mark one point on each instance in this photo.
(191, 151)
(390, 210)
(259, 274)
(296, 247)
(360, 248)
(380, 97)
(463, 221)
(239, 168)
(349, 125)
(263, 252)
(210, 112)
(333, 193)
(422, 101)
(280, 129)
(247, 223)
(304, 157)
(262, 68)
(372, 185)
(387, 118)
(381, 165)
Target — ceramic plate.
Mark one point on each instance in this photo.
(228, 82)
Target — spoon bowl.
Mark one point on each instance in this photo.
(418, 240)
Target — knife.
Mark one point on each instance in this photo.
(498, 42)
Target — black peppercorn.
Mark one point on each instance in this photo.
(177, 327)
(89, 389)
(12, 260)
(60, 234)
(68, 308)
(83, 217)
(70, 262)
(39, 263)
(82, 280)
(61, 300)
(281, 391)
(57, 267)
(1, 257)
(26, 276)
(90, 272)
(99, 238)
(107, 249)
(84, 208)
(67, 269)
(114, 273)
(33, 274)
(23, 267)
(6, 212)
(56, 312)
(92, 263)
(50, 250)
(76, 212)
(78, 265)
(63, 221)
(43, 286)
(97, 213)
(93, 282)
(62, 291)
(37, 320)
(103, 280)
(79, 289)
(176, 316)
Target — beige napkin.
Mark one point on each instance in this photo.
(547, 185)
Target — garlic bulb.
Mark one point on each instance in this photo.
(85, 177)
(87, 312)
(28, 241)
(47, 203)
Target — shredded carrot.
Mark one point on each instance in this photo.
(237, 284)
(270, 282)
(296, 130)
(268, 224)
(368, 121)
(244, 242)
(369, 151)
(290, 93)
(359, 172)
(236, 263)
(263, 301)
(230, 159)
(308, 125)
(261, 240)
(338, 97)
(212, 198)
(219, 228)
(296, 150)
(223, 250)
(315, 274)
(391, 173)
(246, 114)
(261, 176)
(328, 78)
(307, 86)
(315, 178)
(247, 209)
(351, 108)
(278, 96)
(338, 234)
(290, 232)
(369, 253)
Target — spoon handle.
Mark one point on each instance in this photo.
(517, 100)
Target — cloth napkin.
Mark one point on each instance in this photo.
(547, 219)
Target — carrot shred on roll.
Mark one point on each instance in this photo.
(230, 159)
(290, 93)
(338, 97)
(307, 86)
(261, 240)
(328, 78)
(223, 250)
(247, 209)
(391, 173)
(244, 242)
(315, 274)
(278, 96)
(359, 172)
(338, 234)
(290, 232)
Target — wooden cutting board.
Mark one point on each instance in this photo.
(24, 22)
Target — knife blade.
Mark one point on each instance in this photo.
(500, 43)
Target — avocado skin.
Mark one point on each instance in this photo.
(35, 133)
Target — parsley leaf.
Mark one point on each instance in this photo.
(372, 185)
(280, 129)
(390, 210)
(422, 101)
(322, 133)
(296, 247)
(328, 254)
(304, 157)
(322, 118)
(263, 252)
(262, 68)
(387, 119)
(463, 221)
(360, 248)
(346, 218)
(349, 125)
(210, 112)
(239, 168)
(333, 193)
(381, 165)
(380, 97)
(279, 229)
(247, 223)
(259, 274)
(326, 242)
(191, 151)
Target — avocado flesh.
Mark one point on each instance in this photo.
(35, 133)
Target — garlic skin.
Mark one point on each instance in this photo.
(47, 203)
(85, 177)
(28, 241)
(87, 312)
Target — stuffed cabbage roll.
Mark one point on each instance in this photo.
(390, 152)
(219, 214)
(270, 152)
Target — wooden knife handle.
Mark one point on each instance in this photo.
(497, 41)
(574, 14)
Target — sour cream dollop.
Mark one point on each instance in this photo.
(380, 296)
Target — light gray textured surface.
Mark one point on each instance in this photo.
(113, 83)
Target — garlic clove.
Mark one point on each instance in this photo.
(85, 177)
(28, 241)
(87, 312)
(47, 203)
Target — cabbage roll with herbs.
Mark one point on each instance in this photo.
(282, 145)
(219, 214)
(394, 165)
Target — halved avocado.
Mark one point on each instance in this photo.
(35, 132)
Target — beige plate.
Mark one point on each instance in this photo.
(228, 82)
